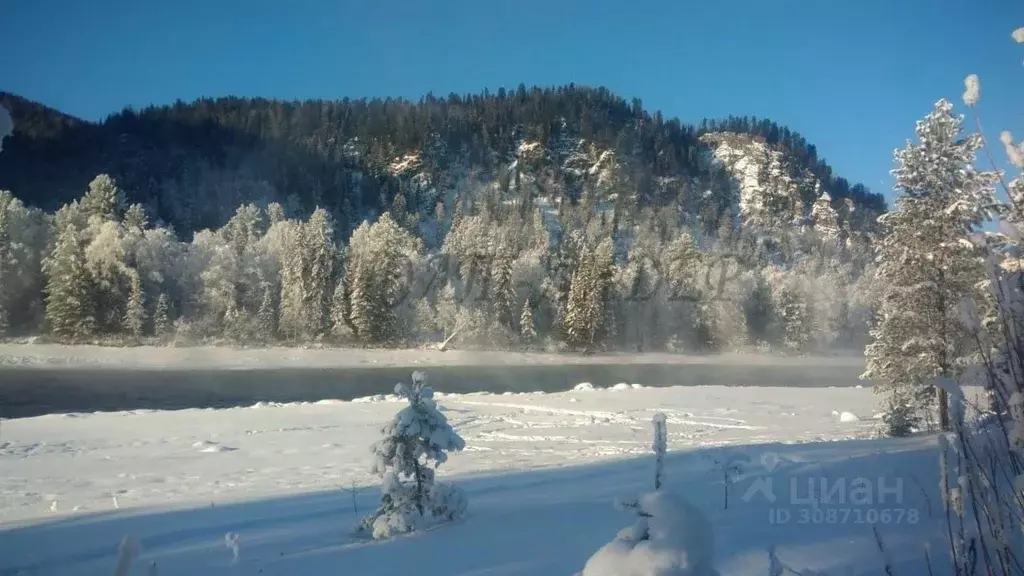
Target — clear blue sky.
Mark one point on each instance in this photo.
(852, 76)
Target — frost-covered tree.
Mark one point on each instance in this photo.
(502, 289)
(320, 258)
(794, 317)
(927, 261)
(585, 321)
(135, 311)
(415, 442)
(162, 327)
(103, 199)
(24, 235)
(294, 280)
(69, 304)
(527, 332)
(378, 259)
(266, 315)
(135, 219)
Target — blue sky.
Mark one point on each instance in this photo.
(852, 76)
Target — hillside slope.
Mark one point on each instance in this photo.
(562, 219)
(192, 164)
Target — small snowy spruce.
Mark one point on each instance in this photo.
(670, 537)
(417, 436)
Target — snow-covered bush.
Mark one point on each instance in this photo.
(418, 436)
(670, 537)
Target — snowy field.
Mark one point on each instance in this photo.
(541, 472)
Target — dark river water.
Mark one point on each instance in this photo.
(34, 391)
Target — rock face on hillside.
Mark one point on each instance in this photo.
(192, 164)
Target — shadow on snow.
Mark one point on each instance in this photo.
(539, 522)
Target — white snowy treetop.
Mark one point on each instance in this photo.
(418, 431)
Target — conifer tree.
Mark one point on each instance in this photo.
(794, 318)
(266, 315)
(527, 331)
(378, 258)
(321, 256)
(294, 282)
(135, 218)
(135, 311)
(69, 311)
(162, 318)
(275, 213)
(502, 290)
(414, 444)
(341, 309)
(103, 199)
(927, 263)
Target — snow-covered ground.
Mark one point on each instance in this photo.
(541, 472)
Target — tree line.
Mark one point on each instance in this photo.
(493, 274)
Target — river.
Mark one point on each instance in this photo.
(34, 391)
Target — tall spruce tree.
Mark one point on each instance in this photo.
(69, 305)
(927, 261)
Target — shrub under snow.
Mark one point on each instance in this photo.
(417, 436)
(671, 537)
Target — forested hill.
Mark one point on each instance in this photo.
(192, 164)
(563, 218)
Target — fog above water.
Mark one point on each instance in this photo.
(36, 380)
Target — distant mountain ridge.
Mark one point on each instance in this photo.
(192, 164)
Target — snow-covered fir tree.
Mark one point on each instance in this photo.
(502, 290)
(585, 321)
(794, 318)
(294, 280)
(927, 261)
(135, 311)
(378, 259)
(103, 199)
(162, 327)
(320, 258)
(69, 297)
(105, 256)
(24, 238)
(527, 332)
(415, 442)
(266, 315)
(135, 219)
